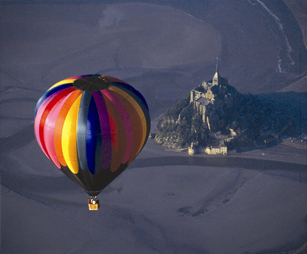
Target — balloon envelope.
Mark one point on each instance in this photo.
(92, 127)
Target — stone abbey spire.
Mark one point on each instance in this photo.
(216, 78)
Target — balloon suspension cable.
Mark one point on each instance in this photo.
(93, 203)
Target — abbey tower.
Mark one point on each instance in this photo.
(209, 98)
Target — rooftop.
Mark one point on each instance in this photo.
(203, 101)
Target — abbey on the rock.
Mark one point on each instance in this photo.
(209, 99)
(215, 116)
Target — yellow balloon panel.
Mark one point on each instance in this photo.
(69, 137)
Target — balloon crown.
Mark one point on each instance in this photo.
(91, 83)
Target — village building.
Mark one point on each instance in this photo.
(211, 150)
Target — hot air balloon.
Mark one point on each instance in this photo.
(92, 127)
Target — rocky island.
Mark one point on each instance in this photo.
(214, 118)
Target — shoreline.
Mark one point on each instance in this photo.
(279, 153)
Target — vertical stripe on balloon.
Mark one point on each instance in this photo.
(59, 125)
(81, 128)
(93, 139)
(69, 137)
(105, 129)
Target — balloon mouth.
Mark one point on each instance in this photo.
(93, 193)
(91, 83)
